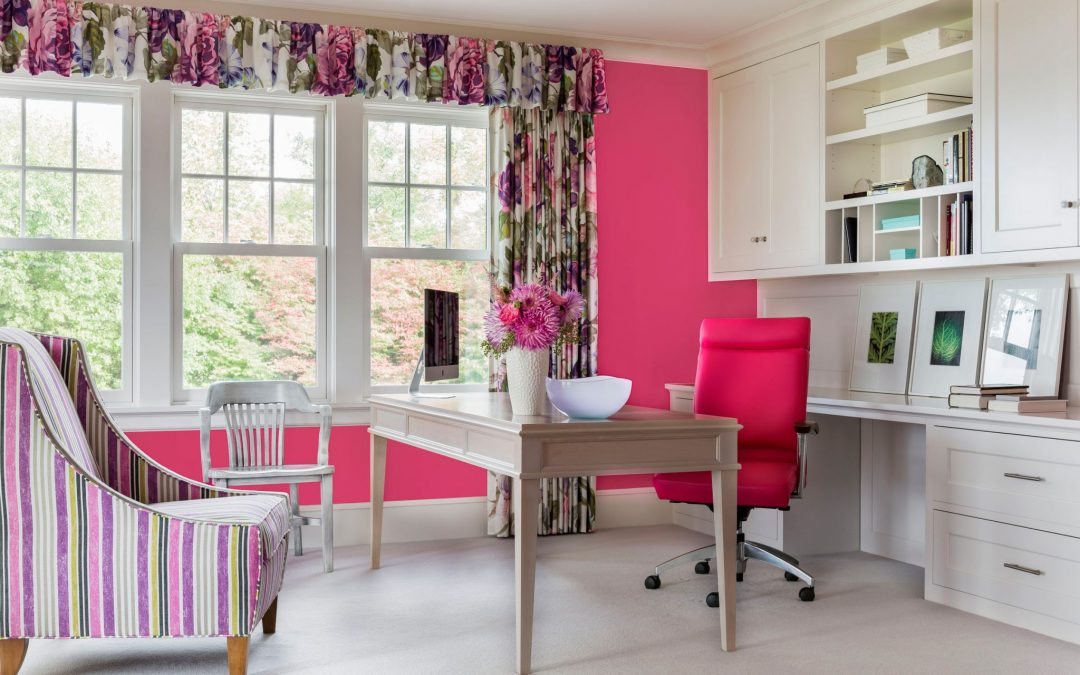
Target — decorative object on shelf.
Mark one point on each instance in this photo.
(925, 172)
(589, 398)
(902, 254)
(934, 39)
(883, 331)
(524, 323)
(900, 222)
(856, 192)
(1025, 332)
(878, 59)
(912, 106)
(948, 336)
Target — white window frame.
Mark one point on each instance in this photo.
(252, 103)
(420, 113)
(127, 97)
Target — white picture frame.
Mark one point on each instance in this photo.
(883, 329)
(948, 336)
(1024, 334)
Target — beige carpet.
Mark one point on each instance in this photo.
(447, 607)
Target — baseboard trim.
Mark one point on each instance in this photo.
(466, 517)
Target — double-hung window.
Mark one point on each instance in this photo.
(426, 196)
(249, 242)
(65, 220)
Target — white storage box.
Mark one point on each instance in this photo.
(913, 106)
(935, 39)
(879, 58)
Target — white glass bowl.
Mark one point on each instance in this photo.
(593, 398)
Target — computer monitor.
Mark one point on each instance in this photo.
(440, 335)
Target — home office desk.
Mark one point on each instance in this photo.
(479, 429)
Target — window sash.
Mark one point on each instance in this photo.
(126, 98)
(249, 103)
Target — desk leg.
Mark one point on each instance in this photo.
(378, 479)
(725, 520)
(526, 515)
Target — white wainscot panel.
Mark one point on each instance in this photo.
(894, 490)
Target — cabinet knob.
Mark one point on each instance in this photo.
(1069, 204)
(764, 239)
(755, 239)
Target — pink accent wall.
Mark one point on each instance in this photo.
(652, 184)
(652, 220)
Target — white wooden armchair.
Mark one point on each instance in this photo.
(254, 414)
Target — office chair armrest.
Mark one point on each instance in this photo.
(803, 429)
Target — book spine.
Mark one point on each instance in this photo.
(956, 157)
(946, 153)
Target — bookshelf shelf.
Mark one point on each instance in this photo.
(917, 127)
(898, 230)
(900, 196)
(954, 59)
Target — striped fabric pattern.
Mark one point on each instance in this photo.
(123, 467)
(78, 559)
(267, 511)
(53, 399)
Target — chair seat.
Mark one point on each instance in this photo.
(270, 512)
(284, 471)
(761, 484)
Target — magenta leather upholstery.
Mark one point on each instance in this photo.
(755, 370)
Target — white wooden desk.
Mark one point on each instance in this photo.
(479, 429)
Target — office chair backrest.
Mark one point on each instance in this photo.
(756, 370)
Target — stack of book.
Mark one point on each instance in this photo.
(978, 396)
(885, 187)
(1003, 398)
(958, 155)
(958, 226)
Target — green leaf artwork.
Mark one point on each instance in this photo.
(947, 339)
(882, 337)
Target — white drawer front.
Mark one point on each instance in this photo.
(1036, 478)
(1025, 568)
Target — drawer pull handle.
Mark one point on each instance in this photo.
(1020, 476)
(1021, 568)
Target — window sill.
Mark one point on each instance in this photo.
(183, 416)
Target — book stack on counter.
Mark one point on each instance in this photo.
(958, 156)
(958, 226)
(1004, 398)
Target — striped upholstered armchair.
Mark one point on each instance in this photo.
(98, 540)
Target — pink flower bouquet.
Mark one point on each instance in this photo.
(530, 316)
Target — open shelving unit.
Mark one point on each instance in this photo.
(855, 152)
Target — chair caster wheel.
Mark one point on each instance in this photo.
(652, 582)
(702, 567)
(712, 599)
(806, 594)
(790, 577)
(738, 576)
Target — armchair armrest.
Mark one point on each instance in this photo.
(803, 429)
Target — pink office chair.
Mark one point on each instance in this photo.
(756, 371)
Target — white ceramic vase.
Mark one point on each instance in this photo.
(526, 372)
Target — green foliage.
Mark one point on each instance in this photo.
(948, 338)
(883, 327)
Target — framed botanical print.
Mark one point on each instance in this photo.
(883, 331)
(1025, 333)
(948, 336)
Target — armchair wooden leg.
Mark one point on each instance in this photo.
(12, 653)
(238, 653)
(269, 620)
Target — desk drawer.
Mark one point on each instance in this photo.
(1007, 474)
(1024, 568)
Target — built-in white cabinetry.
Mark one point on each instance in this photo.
(1032, 184)
(1003, 515)
(766, 156)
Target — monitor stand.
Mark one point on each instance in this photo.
(414, 385)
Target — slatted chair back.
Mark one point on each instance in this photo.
(256, 433)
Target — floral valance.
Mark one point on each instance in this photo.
(147, 43)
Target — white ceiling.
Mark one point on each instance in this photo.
(686, 23)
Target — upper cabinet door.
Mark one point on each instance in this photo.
(766, 165)
(1031, 188)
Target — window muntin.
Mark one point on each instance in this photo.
(250, 243)
(65, 220)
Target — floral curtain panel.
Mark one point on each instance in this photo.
(69, 38)
(546, 184)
